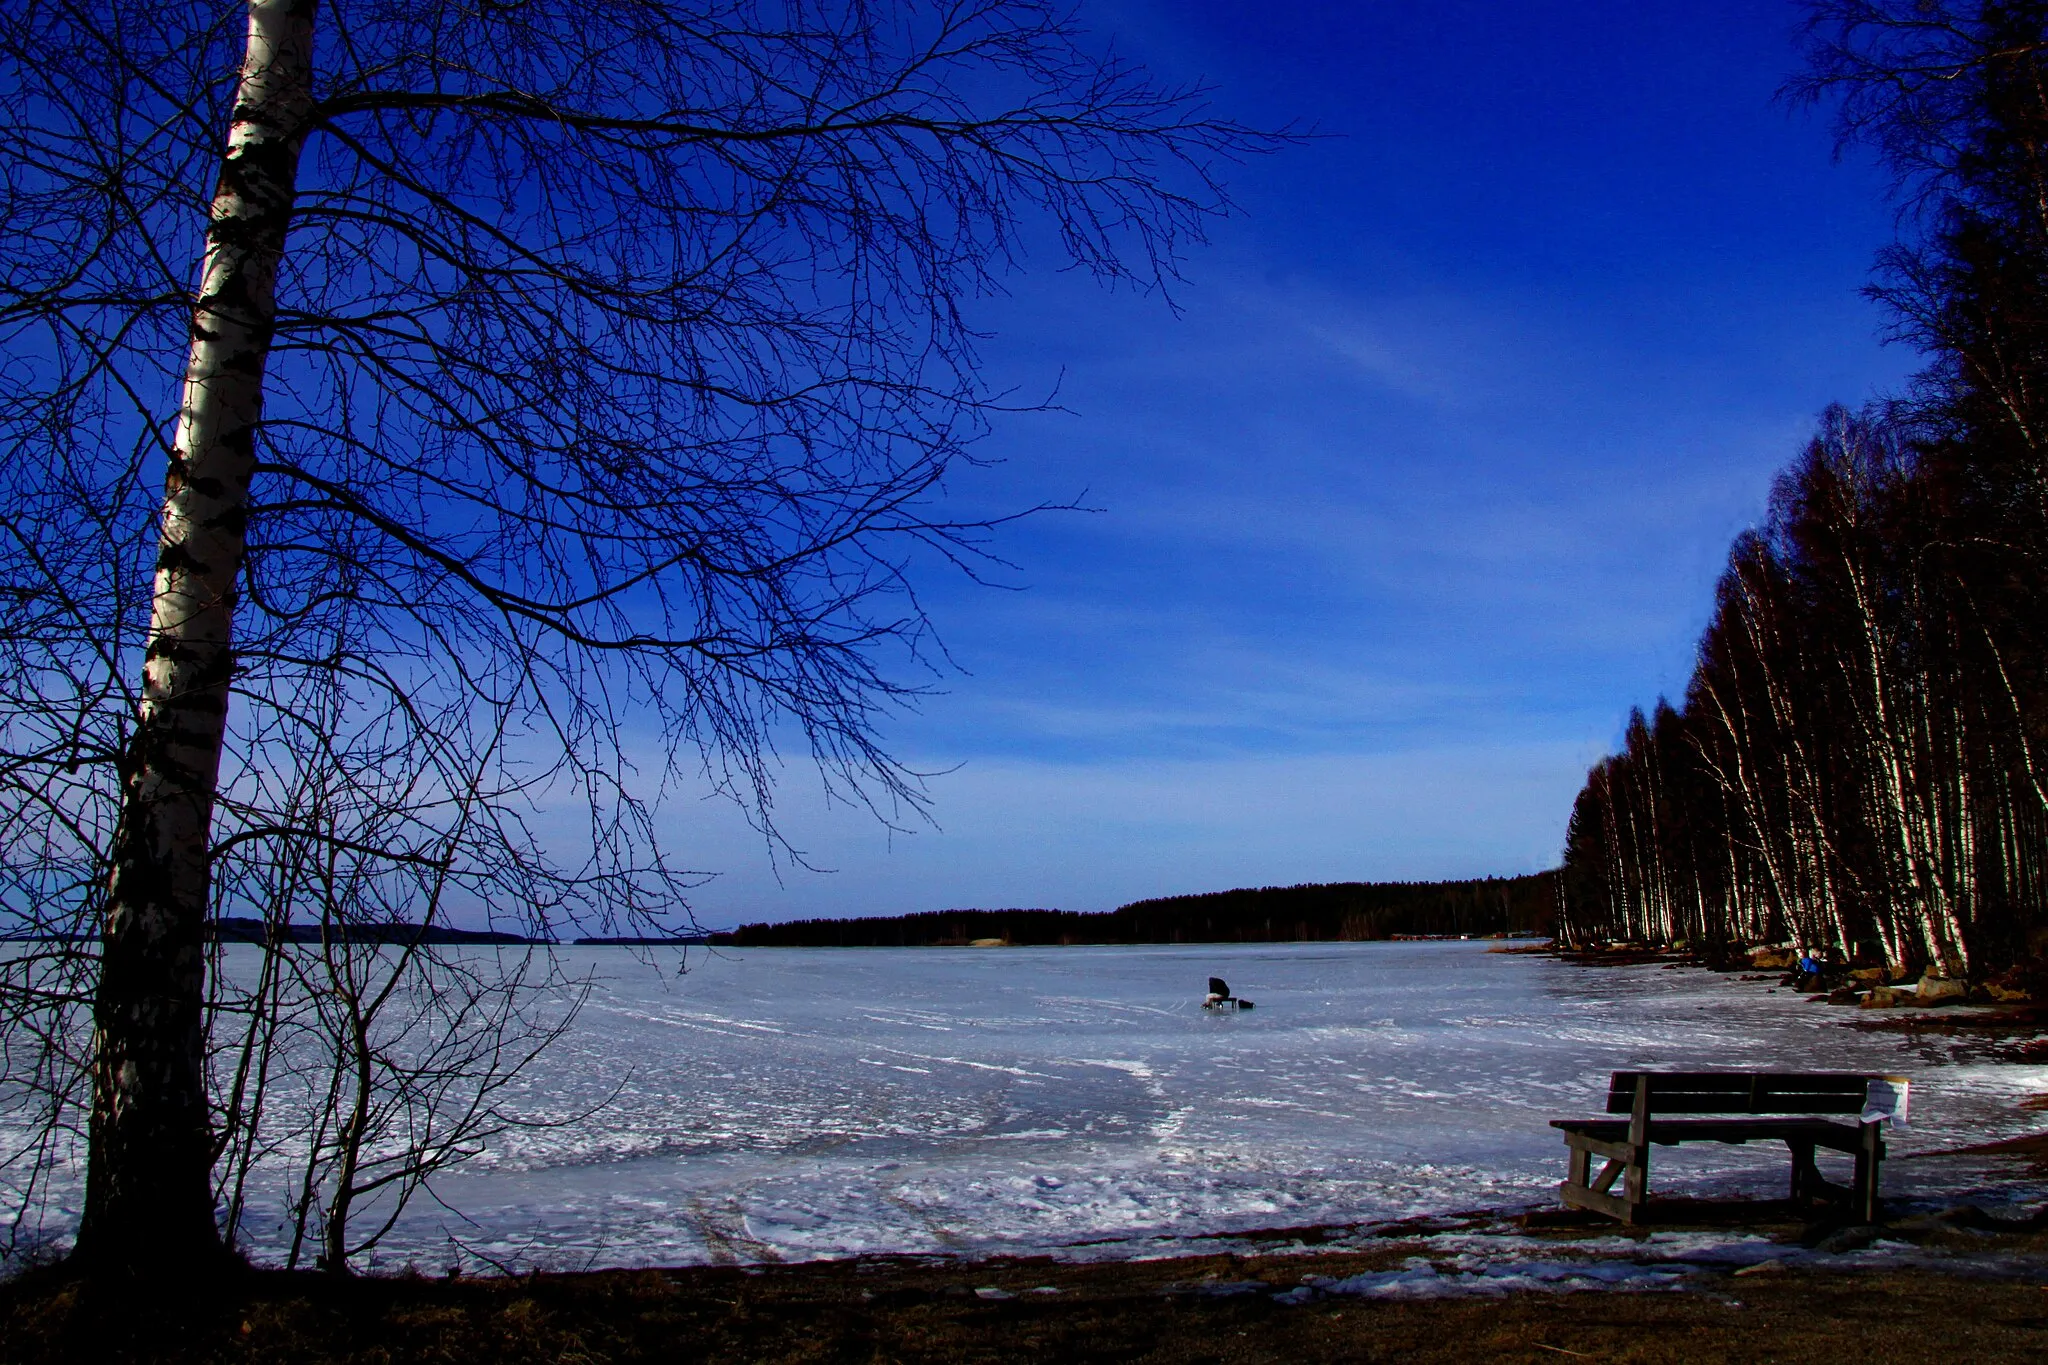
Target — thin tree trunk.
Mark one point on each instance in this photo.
(148, 1193)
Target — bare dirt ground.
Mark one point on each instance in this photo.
(1976, 1290)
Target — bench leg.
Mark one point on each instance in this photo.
(1805, 1175)
(1582, 1189)
(1629, 1160)
(1869, 1157)
(1598, 1193)
(1635, 1187)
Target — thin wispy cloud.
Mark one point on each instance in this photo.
(1425, 483)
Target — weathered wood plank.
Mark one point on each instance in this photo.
(1844, 1082)
(1839, 1137)
(1735, 1092)
(1611, 1205)
(1613, 1151)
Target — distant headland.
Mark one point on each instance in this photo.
(1328, 912)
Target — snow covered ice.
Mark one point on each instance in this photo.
(795, 1103)
(799, 1103)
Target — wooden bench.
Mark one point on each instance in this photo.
(1777, 1106)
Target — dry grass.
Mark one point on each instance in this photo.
(885, 1311)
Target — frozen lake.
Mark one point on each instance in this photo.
(794, 1103)
(800, 1103)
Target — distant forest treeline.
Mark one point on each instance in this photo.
(1274, 914)
(1860, 764)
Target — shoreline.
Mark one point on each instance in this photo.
(1711, 1281)
(2009, 1009)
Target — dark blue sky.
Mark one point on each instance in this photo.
(1426, 484)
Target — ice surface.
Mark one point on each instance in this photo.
(798, 1103)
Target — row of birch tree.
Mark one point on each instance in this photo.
(1857, 767)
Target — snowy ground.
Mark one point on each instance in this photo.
(792, 1103)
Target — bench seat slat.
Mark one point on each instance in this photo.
(1840, 1137)
(1744, 1104)
(1705, 1080)
(1736, 1092)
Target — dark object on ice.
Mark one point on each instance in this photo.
(1221, 998)
(1625, 1144)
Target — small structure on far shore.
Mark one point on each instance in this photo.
(1220, 998)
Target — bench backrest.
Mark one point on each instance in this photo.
(1741, 1092)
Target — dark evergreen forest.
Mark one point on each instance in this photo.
(1859, 766)
(1274, 914)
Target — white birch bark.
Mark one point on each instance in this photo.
(1800, 877)
(1896, 788)
(148, 1192)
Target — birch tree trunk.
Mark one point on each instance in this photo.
(148, 1193)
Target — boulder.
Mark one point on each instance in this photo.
(1773, 959)
(1935, 990)
(1876, 976)
(1884, 997)
(2021, 984)
(1849, 1239)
